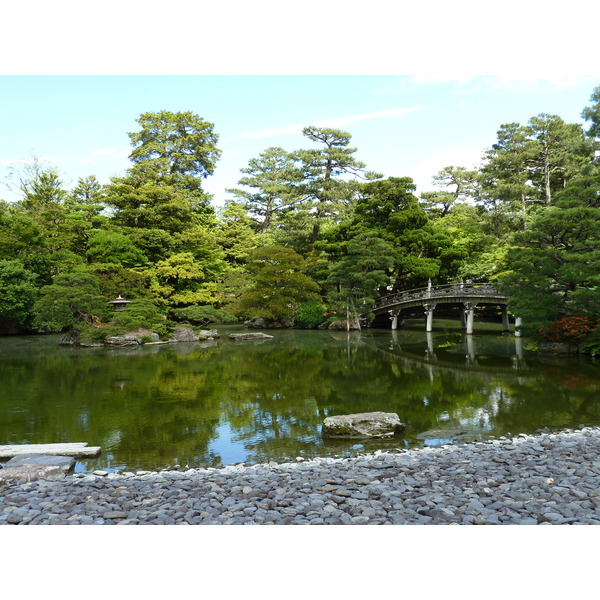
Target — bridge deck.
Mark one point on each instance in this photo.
(444, 294)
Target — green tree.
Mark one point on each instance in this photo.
(560, 152)
(553, 268)
(176, 147)
(273, 179)
(455, 185)
(324, 186)
(592, 114)
(357, 277)
(18, 291)
(72, 298)
(278, 285)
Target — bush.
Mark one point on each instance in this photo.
(310, 315)
(202, 315)
(570, 330)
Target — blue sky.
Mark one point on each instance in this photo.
(401, 125)
(419, 87)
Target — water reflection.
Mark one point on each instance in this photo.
(220, 402)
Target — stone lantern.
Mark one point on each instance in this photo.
(120, 303)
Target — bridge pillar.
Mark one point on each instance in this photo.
(429, 308)
(505, 324)
(518, 323)
(394, 318)
(470, 308)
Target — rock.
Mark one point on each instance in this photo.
(70, 338)
(185, 334)
(243, 337)
(66, 463)
(260, 323)
(121, 340)
(362, 425)
(142, 333)
(342, 324)
(30, 473)
(557, 348)
(208, 334)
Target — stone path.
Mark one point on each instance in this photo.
(552, 478)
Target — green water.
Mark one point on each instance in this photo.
(218, 403)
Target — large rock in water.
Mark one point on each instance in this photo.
(245, 337)
(363, 425)
(184, 334)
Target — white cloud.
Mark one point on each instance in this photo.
(333, 122)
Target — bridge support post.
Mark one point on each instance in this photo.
(429, 307)
(518, 323)
(505, 324)
(394, 318)
(470, 308)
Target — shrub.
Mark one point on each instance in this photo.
(310, 314)
(570, 330)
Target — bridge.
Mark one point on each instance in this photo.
(470, 295)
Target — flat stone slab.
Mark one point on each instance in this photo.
(29, 473)
(362, 425)
(77, 449)
(66, 463)
(250, 336)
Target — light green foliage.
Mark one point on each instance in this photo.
(279, 285)
(113, 247)
(18, 291)
(180, 280)
(234, 233)
(310, 315)
(71, 298)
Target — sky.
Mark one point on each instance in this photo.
(401, 126)
(418, 88)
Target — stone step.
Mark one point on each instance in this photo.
(76, 449)
(66, 463)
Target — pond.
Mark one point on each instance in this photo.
(224, 402)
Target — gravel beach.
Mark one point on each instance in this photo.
(550, 478)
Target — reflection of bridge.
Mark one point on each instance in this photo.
(470, 295)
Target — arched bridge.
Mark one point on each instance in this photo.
(470, 295)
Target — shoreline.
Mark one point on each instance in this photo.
(546, 478)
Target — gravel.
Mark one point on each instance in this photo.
(550, 478)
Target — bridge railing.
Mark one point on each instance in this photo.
(438, 291)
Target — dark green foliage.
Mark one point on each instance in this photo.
(72, 298)
(18, 291)
(201, 315)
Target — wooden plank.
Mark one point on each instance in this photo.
(77, 449)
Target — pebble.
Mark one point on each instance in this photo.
(500, 481)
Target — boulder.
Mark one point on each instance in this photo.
(28, 473)
(121, 340)
(208, 334)
(184, 334)
(363, 425)
(243, 337)
(66, 463)
(342, 324)
(71, 338)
